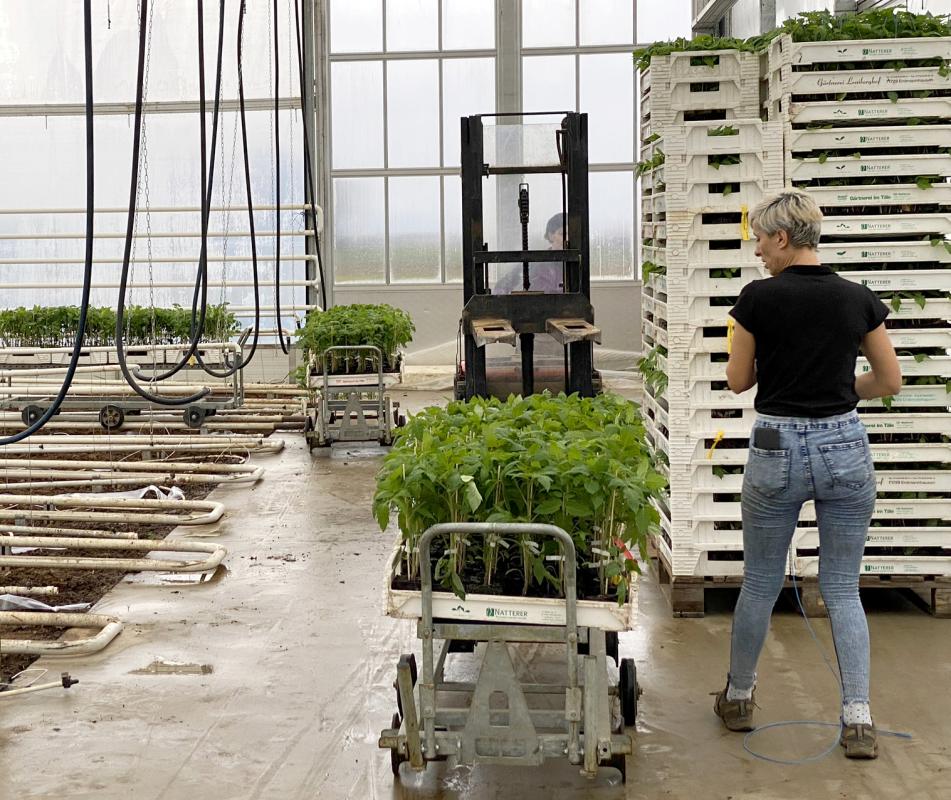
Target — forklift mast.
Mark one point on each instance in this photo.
(517, 317)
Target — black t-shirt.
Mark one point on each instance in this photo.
(808, 323)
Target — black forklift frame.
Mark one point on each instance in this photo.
(527, 313)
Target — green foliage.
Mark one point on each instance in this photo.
(55, 326)
(649, 268)
(811, 26)
(885, 23)
(723, 159)
(579, 463)
(359, 324)
(654, 376)
(650, 164)
(723, 130)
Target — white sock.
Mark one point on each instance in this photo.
(856, 713)
(732, 693)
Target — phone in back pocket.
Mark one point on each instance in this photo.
(766, 438)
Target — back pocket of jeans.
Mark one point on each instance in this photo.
(767, 471)
(847, 462)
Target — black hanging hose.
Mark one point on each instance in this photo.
(243, 362)
(207, 187)
(130, 227)
(309, 163)
(87, 273)
(277, 190)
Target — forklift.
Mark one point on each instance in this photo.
(512, 147)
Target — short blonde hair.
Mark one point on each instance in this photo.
(792, 211)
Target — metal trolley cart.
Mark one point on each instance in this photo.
(114, 400)
(353, 408)
(501, 720)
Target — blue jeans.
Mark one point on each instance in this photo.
(826, 460)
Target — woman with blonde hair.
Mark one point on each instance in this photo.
(796, 338)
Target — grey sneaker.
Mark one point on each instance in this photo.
(859, 741)
(737, 715)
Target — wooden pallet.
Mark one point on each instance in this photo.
(686, 593)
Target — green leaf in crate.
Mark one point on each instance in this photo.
(896, 303)
(823, 157)
(893, 97)
(548, 507)
(923, 182)
(919, 299)
(457, 586)
(718, 471)
(473, 496)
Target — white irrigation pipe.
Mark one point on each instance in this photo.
(154, 260)
(103, 348)
(215, 554)
(202, 468)
(135, 510)
(109, 629)
(142, 438)
(30, 591)
(159, 449)
(158, 284)
(151, 210)
(41, 237)
(39, 687)
(80, 532)
(16, 424)
(76, 479)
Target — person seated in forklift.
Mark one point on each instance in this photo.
(548, 278)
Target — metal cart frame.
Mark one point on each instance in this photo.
(423, 731)
(352, 408)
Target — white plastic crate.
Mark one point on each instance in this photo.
(910, 280)
(698, 253)
(702, 507)
(883, 252)
(707, 197)
(851, 111)
(808, 566)
(867, 166)
(691, 561)
(887, 536)
(701, 65)
(722, 137)
(883, 195)
(882, 136)
(687, 169)
(854, 81)
(933, 453)
(784, 51)
(888, 224)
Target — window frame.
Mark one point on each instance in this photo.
(508, 51)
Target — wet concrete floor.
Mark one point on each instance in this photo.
(274, 681)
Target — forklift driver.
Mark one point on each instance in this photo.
(546, 277)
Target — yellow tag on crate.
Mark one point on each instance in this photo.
(730, 327)
(745, 222)
(716, 440)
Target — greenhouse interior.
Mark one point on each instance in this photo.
(480, 399)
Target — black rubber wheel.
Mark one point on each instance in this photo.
(194, 416)
(31, 414)
(611, 645)
(413, 674)
(619, 762)
(396, 757)
(111, 417)
(628, 691)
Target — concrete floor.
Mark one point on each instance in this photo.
(275, 681)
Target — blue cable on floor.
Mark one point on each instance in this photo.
(816, 723)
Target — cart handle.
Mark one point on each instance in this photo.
(485, 529)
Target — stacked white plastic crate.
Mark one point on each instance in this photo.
(701, 110)
(867, 131)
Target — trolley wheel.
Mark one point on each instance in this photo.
(194, 416)
(611, 645)
(396, 757)
(628, 691)
(401, 420)
(619, 762)
(413, 673)
(111, 417)
(31, 414)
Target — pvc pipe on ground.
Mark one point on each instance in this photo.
(90, 534)
(62, 481)
(215, 554)
(30, 591)
(131, 466)
(103, 477)
(135, 511)
(109, 628)
(39, 687)
(105, 449)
